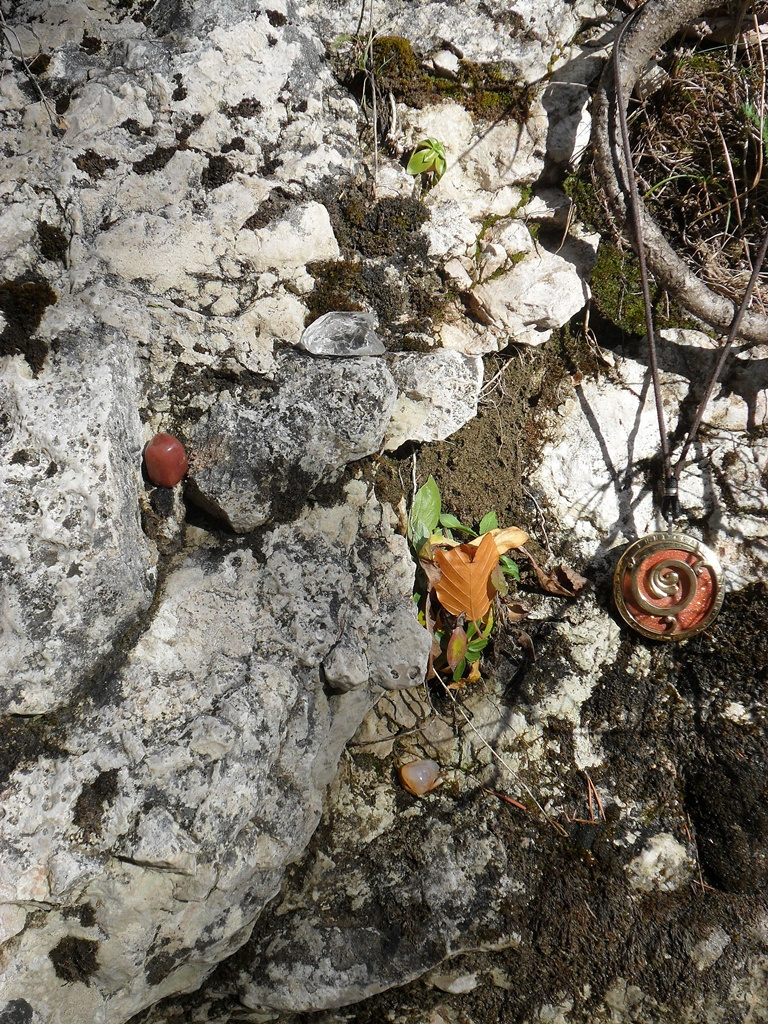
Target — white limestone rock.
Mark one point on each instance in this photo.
(540, 293)
(550, 206)
(664, 864)
(445, 62)
(708, 950)
(156, 826)
(514, 236)
(566, 101)
(524, 39)
(491, 259)
(77, 571)
(486, 165)
(437, 394)
(303, 236)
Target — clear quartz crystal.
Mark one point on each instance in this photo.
(343, 334)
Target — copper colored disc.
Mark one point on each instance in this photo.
(668, 586)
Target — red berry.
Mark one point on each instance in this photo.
(165, 460)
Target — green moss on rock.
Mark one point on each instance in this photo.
(490, 91)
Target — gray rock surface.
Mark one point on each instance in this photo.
(634, 861)
(261, 449)
(143, 841)
(197, 186)
(76, 570)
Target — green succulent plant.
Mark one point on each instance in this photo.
(428, 158)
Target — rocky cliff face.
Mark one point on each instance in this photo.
(185, 187)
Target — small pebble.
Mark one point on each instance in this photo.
(165, 460)
(420, 777)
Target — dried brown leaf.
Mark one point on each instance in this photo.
(506, 539)
(466, 586)
(560, 580)
(526, 642)
(569, 579)
(431, 571)
(472, 676)
(516, 611)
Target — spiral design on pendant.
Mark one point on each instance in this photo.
(670, 578)
(668, 586)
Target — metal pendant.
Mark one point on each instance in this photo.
(668, 586)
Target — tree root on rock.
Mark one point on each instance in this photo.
(651, 26)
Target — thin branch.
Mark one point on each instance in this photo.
(26, 68)
(507, 767)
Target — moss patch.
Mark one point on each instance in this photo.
(218, 172)
(487, 90)
(617, 301)
(338, 286)
(365, 227)
(90, 44)
(159, 966)
(23, 303)
(156, 160)
(75, 960)
(53, 242)
(246, 108)
(386, 265)
(24, 740)
(275, 206)
(94, 164)
(89, 807)
(17, 1011)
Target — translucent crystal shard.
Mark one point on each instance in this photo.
(343, 334)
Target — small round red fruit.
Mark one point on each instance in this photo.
(165, 460)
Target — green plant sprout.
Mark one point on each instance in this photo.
(752, 115)
(428, 159)
(457, 645)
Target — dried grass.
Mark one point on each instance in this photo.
(702, 158)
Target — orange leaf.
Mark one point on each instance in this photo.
(466, 585)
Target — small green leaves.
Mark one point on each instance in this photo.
(425, 514)
(752, 115)
(509, 567)
(428, 158)
(499, 581)
(490, 521)
(452, 523)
